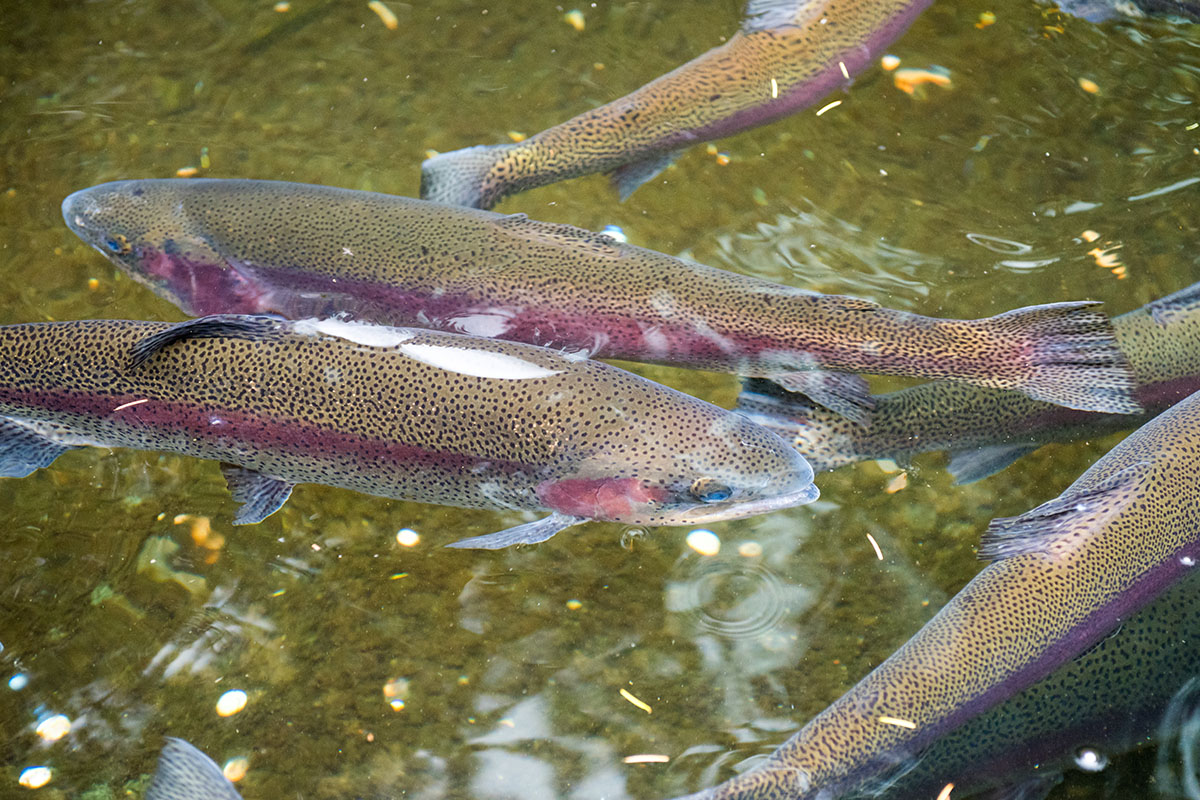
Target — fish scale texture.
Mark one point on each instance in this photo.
(1122, 534)
(782, 60)
(418, 415)
(214, 246)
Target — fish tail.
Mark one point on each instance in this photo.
(1068, 356)
(476, 177)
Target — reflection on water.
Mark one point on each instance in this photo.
(506, 669)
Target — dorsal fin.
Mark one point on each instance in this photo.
(1051, 525)
(1164, 310)
(211, 327)
(558, 232)
(764, 15)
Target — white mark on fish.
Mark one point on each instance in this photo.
(124, 406)
(357, 332)
(486, 325)
(477, 363)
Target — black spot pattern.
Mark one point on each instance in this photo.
(300, 250)
(302, 406)
(1163, 354)
(726, 90)
(1011, 626)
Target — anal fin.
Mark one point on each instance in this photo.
(628, 177)
(529, 533)
(259, 496)
(968, 466)
(23, 450)
(841, 392)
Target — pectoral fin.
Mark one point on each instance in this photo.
(529, 533)
(23, 450)
(215, 326)
(968, 466)
(1051, 525)
(628, 177)
(841, 392)
(258, 495)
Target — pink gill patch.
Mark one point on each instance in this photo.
(597, 498)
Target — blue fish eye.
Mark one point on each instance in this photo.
(117, 244)
(707, 490)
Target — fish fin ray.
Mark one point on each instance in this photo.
(529, 533)
(968, 466)
(258, 496)
(185, 772)
(1165, 310)
(841, 392)
(558, 233)
(628, 177)
(462, 177)
(24, 450)
(1072, 358)
(1051, 524)
(210, 327)
(763, 15)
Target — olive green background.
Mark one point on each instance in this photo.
(964, 202)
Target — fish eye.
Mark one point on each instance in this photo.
(117, 244)
(708, 490)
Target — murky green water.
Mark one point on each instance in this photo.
(509, 665)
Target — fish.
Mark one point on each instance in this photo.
(298, 250)
(402, 413)
(1060, 578)
(787, 55)
(986, 430)
(1113, 697)
(186, 773)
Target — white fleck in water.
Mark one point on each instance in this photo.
(34, 777)
(704, 542)
(18, 682)
(357, 332)
(477, 363)
(1090, 760)
(54, 727)
(231, 702)
(1188, 561)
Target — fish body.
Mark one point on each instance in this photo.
(787, 55)
(185, 773)
(985, 430)
(1117, 695)
(1064, 576)
(235, 246)
(409, 414)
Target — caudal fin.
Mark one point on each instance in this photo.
(476, 177)
(1069, 357)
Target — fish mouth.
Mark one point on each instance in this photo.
(749, 508)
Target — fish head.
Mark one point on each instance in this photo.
(708, 466)
(148, 229)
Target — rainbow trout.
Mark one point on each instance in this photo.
(1063, 576)
(986, 430)
(185, 773)
(237, 246)
(1126, 691)
(787, 55)
(410, 414)
(1109, 699)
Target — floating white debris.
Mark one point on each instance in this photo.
(35, 777)
(231, 702)
(54, 728)
(615, 233)
(236, 768)
(704, 542)
(18, 682)
(1090, 760)
(407, 537)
